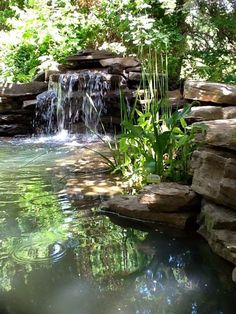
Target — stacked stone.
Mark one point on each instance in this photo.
(214, 166)
(17, 103)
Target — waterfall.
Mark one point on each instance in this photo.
(73, 102)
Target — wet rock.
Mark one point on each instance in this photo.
(9, 107)
(234, 275)
(210, 92)
(215, 216)
(130, 206)
(115, 69)
(133, 69)
(14, 129)
(15, 118)
(29, 104)
(125, 62)
(169, 197)
(135, 76)
(220, 133)
(214, 176)
(17, 90)
(222, 242)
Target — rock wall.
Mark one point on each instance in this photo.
(17, 104)
(214, 166)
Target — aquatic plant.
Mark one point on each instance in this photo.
(154, 139)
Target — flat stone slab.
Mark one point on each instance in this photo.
(220, 133)
(126, 62)
(90, 54)
(169, 197)
(129, 206)
(210, 92)
(17, 90)
(207, 113)
(214, 176)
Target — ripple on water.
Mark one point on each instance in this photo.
(39, 252)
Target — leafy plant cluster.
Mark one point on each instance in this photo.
(198, 35)
(155, 143)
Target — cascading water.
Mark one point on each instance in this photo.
(74, 102)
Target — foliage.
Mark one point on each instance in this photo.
(197, 34)
(154, 140)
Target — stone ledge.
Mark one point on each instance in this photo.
(210, 92)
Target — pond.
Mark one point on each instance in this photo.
(60, 255)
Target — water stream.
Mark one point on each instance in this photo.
(60, 255)
(73, 102)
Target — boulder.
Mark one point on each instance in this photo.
(129, 206)
(214, 175)
(210, 92)
(204, 113)
(229, 112)
(220, 133)
(17, 90)
(169, 197)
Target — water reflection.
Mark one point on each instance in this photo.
(59, 256)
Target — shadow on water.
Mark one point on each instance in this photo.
(59, 255)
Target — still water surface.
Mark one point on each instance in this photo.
(59, 255)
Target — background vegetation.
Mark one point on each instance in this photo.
(198, 35)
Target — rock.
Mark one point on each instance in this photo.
(14, 129)
(29, 104)
(125, 62)
(214, 176)
(115, 69)
(222, 242)
(130, 206)
(210, 92)
(204, 113)
(134, 69)
(218, 227)
(169, 197)
(17, 90)
(234, 275)
(135, 76)
(14, 119)
(90, 54)
(229, 113)
(220, 133)
(6, 108)
(217, 217)
(39, 77)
